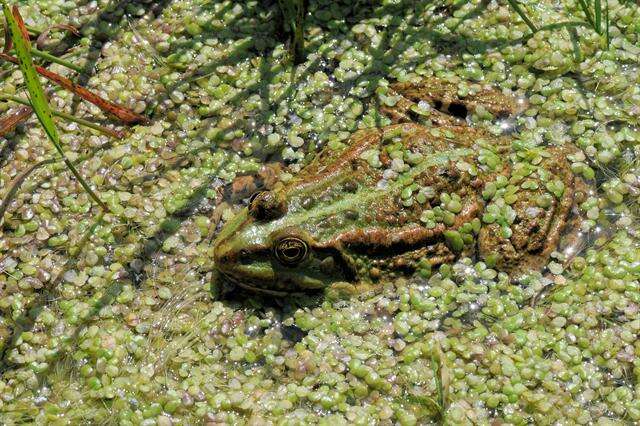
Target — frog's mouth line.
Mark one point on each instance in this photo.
(262, 290)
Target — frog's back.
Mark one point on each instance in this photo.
(370, 197)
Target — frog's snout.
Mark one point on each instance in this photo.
(223, 256)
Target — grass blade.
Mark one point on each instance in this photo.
(597, 7)
(575, 42)
(442, 381)
(606, 20)
(39, 103)
(298, 37)
(516, 7)
(293, 14)
(122, 113)
(587, 13)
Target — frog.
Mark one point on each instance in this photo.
(423, 190)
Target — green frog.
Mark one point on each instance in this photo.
(405, 198)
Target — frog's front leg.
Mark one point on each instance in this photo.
(451, 101)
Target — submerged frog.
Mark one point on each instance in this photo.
(406, 197)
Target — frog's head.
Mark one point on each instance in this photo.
(264, 248)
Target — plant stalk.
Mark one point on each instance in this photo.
(51, 58)
(514, 4)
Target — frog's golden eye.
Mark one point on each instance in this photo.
(291, 250)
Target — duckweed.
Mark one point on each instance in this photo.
(121, 327)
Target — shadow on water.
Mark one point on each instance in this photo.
(168, 227)
(151, 246)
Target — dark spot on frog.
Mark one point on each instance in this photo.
(244, 257)
(351, 214)
(350, 186)
(307, 203)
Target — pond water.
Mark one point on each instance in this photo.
(114, 319)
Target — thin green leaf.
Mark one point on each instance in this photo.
(606, 20)
(575, 42)
(293, 14)
(38, 100)
(597, 7)
(587, 13)
(435, 368)
(520, 11)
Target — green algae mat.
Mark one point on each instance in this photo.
(117, 314)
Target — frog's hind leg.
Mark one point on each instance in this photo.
(405, 110)
(536, 231)
(446, 97)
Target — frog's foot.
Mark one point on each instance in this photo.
(344, 290)
(454, 100)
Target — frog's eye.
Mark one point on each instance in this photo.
(265, 205)
(291, 250)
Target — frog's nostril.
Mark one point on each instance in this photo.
(221, 257)
(267, 205)
(244, 257)
(458, 110)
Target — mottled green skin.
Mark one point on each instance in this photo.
(358, 230)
